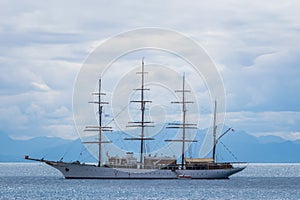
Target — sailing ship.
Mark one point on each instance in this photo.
(147, 166)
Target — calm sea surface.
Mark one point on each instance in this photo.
(257, 181)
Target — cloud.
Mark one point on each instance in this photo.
(12, 117)
(281, 123)
(269, 84)
(40, 86)
(255, 45)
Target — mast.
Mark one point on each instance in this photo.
(216, 140)
(215, 132)
(100, 129)
(182, 125)
(142, 124)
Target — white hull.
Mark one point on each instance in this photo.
(84, 171)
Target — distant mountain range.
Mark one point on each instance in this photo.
(42, 147)
(245, 147)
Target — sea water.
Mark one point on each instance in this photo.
(257, 181)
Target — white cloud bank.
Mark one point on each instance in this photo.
(255, 44)
(284, 124)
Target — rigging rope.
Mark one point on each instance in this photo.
(113, 119)
(229, 151)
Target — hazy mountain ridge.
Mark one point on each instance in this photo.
(245, 147)
(41, 147)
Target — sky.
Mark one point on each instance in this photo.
(254, 44)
